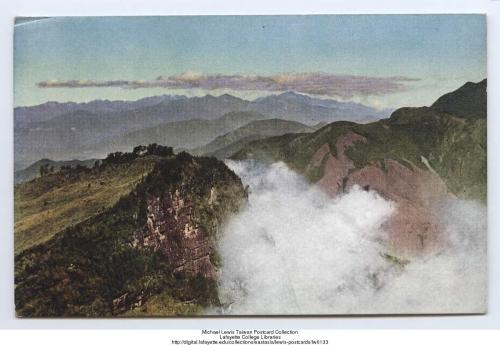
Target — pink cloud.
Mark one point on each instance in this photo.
(344, 86)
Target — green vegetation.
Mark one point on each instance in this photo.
(454, 145)
(469, 101)
(164, 304)
(45, 166)
(76, 228)
(49, 204)
(226, 145)
(91, 268)
(54, 201)
(189, 133)
(395, 260)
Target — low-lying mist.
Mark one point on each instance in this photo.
(295, 250)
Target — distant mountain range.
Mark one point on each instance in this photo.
(450, 135)
(32, 171)
(231, 131)
(417, 158)
(226, 145)
(182, 134)
(65, 131)
(49, 110)
(137, 234)
(308, 110)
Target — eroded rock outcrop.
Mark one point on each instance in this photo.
(171, 229)
(336, 167)
(407, 158)
(414, 226)
(156, 241)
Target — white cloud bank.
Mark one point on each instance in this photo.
(294, 250)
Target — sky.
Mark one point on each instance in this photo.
(385, 61)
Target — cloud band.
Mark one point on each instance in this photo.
(345, 86)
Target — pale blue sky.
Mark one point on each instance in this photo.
(443, 51)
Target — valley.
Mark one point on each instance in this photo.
(245, 208)
(64, 131)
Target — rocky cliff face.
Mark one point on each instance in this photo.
(158, 240)
(417, 158)
(414, 226)
(170, 228)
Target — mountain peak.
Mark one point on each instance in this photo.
(228, 97)
(469, 100)
(292, 95)
(289, 93)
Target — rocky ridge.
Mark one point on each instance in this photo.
(156, 241)
(417, 158)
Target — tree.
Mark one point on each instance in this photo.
(44, 169)
(158, 150)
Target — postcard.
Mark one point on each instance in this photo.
(250, 165)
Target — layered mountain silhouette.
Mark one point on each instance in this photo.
(49, 110)
(62, 131)
(308, 110)
(453, 129)
(136, 233)
(417, 158)
(182, 134)
(226, 145)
